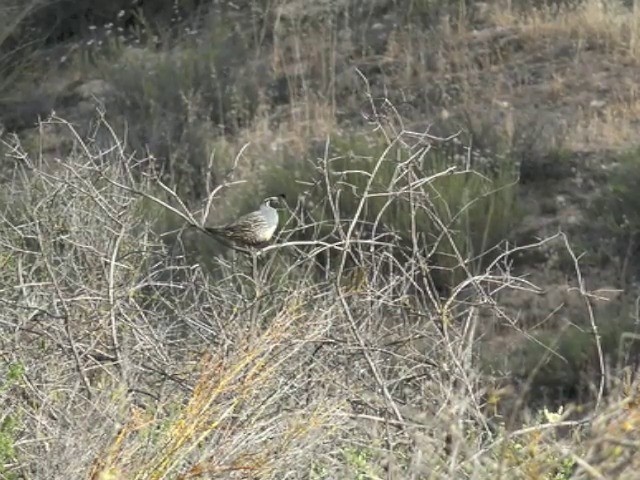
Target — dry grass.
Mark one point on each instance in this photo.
(569, 68)
(609, 25)
(132, 348)
(130, 361)
(226, 407)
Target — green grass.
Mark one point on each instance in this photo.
(621, 197)
(459, 216)
(10, 425)
(569, 373)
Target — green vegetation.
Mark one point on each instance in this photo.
(181, 100)
(359, 462)
(562, 366)
(11, 375)
(621, 200)
(460, 216)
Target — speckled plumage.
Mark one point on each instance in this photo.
(254, 229)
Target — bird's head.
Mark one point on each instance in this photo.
(274, 202)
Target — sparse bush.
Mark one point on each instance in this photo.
(180, 100)
(561, 366)
(621, 199)
(10, 377)
(126, 313)
(193, 371)
(134, 347)
(463, 214)
(617, 218)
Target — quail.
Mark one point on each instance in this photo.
(254, 229)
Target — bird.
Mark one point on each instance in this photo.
(254, 229)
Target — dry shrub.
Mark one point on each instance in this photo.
(138, 362)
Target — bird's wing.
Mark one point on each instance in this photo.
(246, 225)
